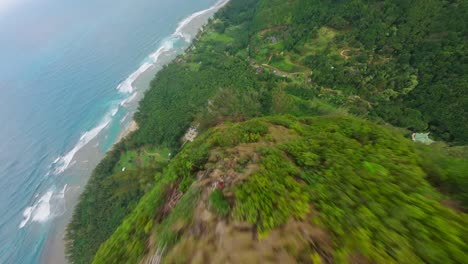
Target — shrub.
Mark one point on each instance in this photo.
(219, 203)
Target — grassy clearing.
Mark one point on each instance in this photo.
(274, 54)
(216, 37)
(142, 158)
(321, 43)
(265, 52)
(285, 64)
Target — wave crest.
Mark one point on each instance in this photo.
(48, 206)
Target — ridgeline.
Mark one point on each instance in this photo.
(304, 111)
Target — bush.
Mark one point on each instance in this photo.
(265, 199)
(219, 203)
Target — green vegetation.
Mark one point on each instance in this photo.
(361, 183)
(288, 97)
(447, 174)
(371, 194)
(167, 231)
(219, 203)
(141, 158)
(110, 195)
(265, 199)
(404, 61)
(135, 230)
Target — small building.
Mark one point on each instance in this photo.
(191, 134)
(422, 138)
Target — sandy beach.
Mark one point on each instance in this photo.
(86, 159)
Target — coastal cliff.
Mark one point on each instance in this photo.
(304, 112)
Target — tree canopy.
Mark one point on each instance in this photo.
(304, 110)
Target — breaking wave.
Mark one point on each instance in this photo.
(51, 204)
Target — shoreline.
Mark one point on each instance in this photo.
(88, 157)
(132, 127)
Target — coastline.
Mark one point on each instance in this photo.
(87, 158)
(128, 130)
(143, 204)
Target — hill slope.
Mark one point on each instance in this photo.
(282, 189)
(306, 181)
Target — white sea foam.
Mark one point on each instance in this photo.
(51, 203)
(26, 216)
(62, 192)
(39, 211)
(124, 118)
(187, 20)
(166, 46)
(65, 161)
(127, 85)
(48, 206)
(128, 99)
(114, 111)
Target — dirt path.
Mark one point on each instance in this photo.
(280, 72)
(271, 29)
(152, 154)
(342, 54)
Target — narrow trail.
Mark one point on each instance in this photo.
(156, 154)
(271, 29)
(280, 72)
(342, 54)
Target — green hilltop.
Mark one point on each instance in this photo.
(304, 111)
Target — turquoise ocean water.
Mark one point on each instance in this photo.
(66, 69)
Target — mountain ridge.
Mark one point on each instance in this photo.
(282, 91)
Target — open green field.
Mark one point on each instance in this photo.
(216, 37)
(285, 64)
(273, 52)
(323, 41)
(141, 158)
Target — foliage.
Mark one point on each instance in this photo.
(219, 203)
(178, 93)
(388, 61)
(167, 232)
(141, 157)
(109, 196)
(127, 243)
(229, 104)
(406, 60)
(182, 90)
(371, 193)
(265, 199)
(447, 173)
(367, 186)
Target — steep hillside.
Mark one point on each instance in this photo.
(286, 96)
(280, 189)
(399, 61)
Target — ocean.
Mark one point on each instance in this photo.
(71, 75)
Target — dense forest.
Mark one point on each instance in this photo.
(305, 110)
(355, 187)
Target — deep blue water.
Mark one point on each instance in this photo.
(60, 64)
